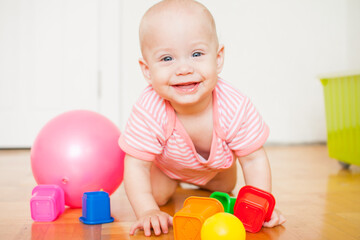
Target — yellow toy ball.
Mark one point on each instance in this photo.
(223, 226)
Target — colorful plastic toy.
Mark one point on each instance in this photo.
(47, 203)
(253, 206)
(78, 151)
(96, 208)
(223, 226)
(227, 201)
(188, 221)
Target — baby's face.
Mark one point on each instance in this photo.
(182, 57)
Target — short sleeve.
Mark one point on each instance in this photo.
(252, 131)
(142, 137)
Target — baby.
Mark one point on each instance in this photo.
(188, 125)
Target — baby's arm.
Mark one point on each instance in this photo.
(256, 169)
(138, 189)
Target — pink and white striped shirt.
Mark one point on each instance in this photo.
(153, 133)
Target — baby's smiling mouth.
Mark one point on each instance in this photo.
(186, 87)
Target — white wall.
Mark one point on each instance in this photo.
(274, 51)
(353, 33)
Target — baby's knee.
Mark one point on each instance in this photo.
(162, 186)
(223, 182)
(227, 188)
(161, 199)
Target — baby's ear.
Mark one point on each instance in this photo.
(220, 58)
(145, 70)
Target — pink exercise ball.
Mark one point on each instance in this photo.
(78, 150)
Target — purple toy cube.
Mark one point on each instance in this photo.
(47, 203)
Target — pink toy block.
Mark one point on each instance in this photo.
(47, 203)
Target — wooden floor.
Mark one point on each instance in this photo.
(318, 198)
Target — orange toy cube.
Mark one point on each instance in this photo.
(189, 220)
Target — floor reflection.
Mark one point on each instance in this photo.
(57, 230)
(67, 226)
(342, 207)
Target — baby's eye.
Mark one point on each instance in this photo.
(197, 54)
(166, 59)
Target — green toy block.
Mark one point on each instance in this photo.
(225, 199)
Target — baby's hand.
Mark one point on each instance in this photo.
(154, 219)
(276, 219)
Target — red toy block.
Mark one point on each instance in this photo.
(253, 207)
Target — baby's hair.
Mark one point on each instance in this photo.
(176, 6)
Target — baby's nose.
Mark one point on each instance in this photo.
(184, 68)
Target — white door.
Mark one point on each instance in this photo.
(49, 64)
